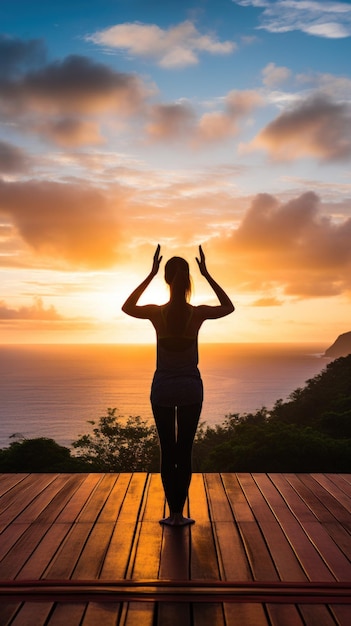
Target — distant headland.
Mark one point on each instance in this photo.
(340, 347)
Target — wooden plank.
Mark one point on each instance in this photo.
(245, 615)
(284, 558)
(198, 507)
(67, 614)
(220, 509)
(100, 614)
(284, 614)
(308, 496)
(113, 504)
(15, 559)
(343, 481)
(203, 558)
(145, 559)
(342, 614)
(309, 557)
(174, 565)
(64, 561)
(133, 501)
(335, 559)
(16, 500)
(231, 552)
(47, 505)
(116, 560)
(74, 506)
(8, 481)
(258, 555)
(261, 562)
(169, 614)
(154, 500)
(341, 537)
(239, 505)
(97, 500)
(10, 536)
(329, 501)
(175, 554)
(32, 614)
(317, 615)
(339, 494)
(44, 552)
(137, 614)
(91, 559)
(8, 612)
(338, 564)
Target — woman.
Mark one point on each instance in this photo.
(176, 391)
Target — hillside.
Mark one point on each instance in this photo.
(340, 347)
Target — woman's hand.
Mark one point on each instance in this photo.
(202, 262)
(156, 261)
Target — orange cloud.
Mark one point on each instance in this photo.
(72, 224)
(316, 127)
(219, 125)
(35, 312)
(291, 245)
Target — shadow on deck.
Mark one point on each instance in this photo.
(266, 550)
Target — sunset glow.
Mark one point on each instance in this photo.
(127, 124)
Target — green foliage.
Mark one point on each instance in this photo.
(114, 446)
(275, 447)
(37, 455)
(328, 392)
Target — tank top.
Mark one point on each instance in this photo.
(177, 380)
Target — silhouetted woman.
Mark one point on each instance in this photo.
(177, 391)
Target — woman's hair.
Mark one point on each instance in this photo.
(177, 276)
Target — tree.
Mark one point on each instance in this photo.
(37, 455)
(117, 446)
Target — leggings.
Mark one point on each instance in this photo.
(176, 427)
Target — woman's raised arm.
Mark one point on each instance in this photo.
(226, 306)
(130, 307)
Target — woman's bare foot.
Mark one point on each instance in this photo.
(177, 519)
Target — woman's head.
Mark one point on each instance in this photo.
(177, 276)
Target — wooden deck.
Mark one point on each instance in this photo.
(266, 550)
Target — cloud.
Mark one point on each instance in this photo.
(180, 122)
(17, 55)
(170, 121)
(75, 85)
(65, 101)
(291, 245)
(331, 20)
(35, 312)
(220, 125)
(274, 75)
(177, 46)
(70, 224)
(268, 301)
(13, 160)
(71, 132)
(316, 127)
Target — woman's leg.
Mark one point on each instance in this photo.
(187, 422)
(165, 419)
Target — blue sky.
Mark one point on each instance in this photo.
(128, 123)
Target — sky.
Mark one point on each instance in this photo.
(125, 124)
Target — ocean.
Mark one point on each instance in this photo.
(54, 390)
